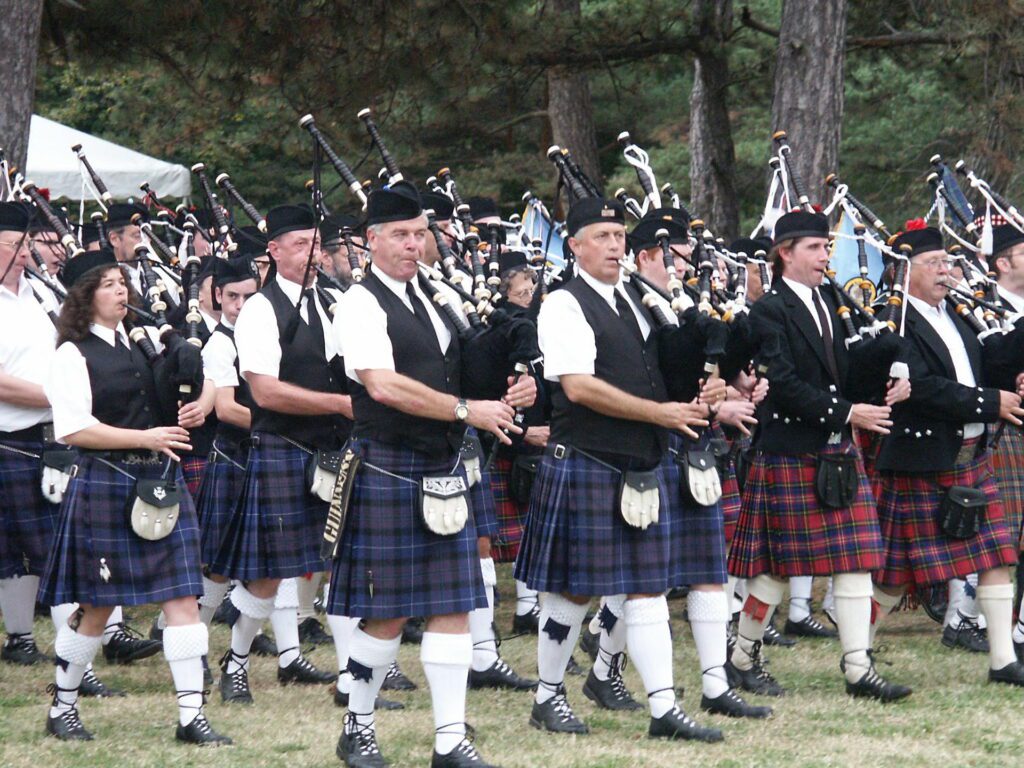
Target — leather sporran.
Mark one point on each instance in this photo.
(961, 511)
(56, 474)
(472, 454)
(154, 508)
(703, 483)
(522, 477)
(444, 504)
(639, 498)
(836, 481)
(322, 473)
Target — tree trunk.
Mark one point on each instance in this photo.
(569, 108)
(807, 101)
(19, 48)
(712, 154)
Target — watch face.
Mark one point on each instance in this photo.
(461, 412)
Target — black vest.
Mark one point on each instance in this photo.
(243, 396)
(625, 364)
(123, 389)
(418, 356)
(304, 364)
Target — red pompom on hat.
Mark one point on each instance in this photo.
(913, 224)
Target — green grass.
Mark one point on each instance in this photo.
(954, 718)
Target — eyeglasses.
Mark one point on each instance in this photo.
(935, 264)
(525, 293)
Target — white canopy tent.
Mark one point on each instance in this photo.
(53, 165)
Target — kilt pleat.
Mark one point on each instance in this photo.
(784, 531)
(917, 551)
(1008, 465)
(482, 502)
(97, 558)
(389, 564)
(276, 525)
(193, 468)
(219, 490)
(697, 552)
(576, 541)
(511, 514)
(27, 519)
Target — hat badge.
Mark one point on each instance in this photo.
(607, 212)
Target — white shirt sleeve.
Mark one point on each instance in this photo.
(257, 338)
(219, 361)
(566, 338)
(69, 392)
(361, 330)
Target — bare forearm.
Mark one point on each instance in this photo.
(229, 411)
(103, 437)
(408, 395)
(283, 397)
(208, 397)
(600, 396)
(22, 393)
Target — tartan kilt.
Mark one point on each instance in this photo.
(1008, 466)
(511, 514)
(27, 520)
(481, 501)
(697, 536)
(870, 443)
(389, 564)
(576, 541)
(193, 468)
(730, 501)
(98, 559)
(276, 525)
(784, 530)
(219, 490)
(917, 551)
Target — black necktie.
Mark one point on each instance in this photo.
(826, 336)
(121, 343)
(628, 317)
(420, 310)
(312, 316)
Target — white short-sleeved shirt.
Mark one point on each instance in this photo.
(361, 326)
(27, 345)
(566, 339)
(219, 356)
(257, 337)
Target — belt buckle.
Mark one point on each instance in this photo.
(559, 452)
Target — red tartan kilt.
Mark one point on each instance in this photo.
(869, 444)
(730, 504)
(783, 530)
(511, 514)
(1008, 466)
(917, 552)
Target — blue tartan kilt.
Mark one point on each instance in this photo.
(276, 524)
(27, 519)
(485, 512)
(219, 490)
(389, 564)
(98, 559)
(697, 553)
(576, 541)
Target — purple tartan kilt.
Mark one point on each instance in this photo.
(98, 559)
(389, 563)
(276, 525)
(1008, 465)
(27, 519)
(784, 530)
(576, 541)
(917, 552)
(481, 501)
(219, 490)
(511, 514)
(697, 541)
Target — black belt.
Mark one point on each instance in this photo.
(32, 434)
(127, 457)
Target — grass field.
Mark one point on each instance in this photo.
(954, 717)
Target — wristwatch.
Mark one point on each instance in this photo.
(461, 410)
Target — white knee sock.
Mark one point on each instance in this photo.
(18, 603)
(342, 628)
(59, 614)
(764, 593)
(285, 620)
(731, 588)
(307, 589)
(184, 648)
(526, 598)
(253, 611)
(368, 663)
(800, 597)
(709, 617)
(996, 601)
(114, 623)
(446, 660)
(1018, 628)
(485, 647)
(853, 592)
(74, 652)
(612, 630)
(883, 606)
(213, 596)
(954, 598)
(828, 603)
(650, 647)
(560, 621)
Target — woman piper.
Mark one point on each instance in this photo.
(105, 404)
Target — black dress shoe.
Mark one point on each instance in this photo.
(226, 612)
(22, 649)
(968, 636)
(234, 686)
(412, 631)
(303, 672)
(808, 627)
(527, 623)
(67, 726)
(200, 733)
(590, 642)
(311, 632)
(395, 680)
(676, 724)
(127, 646)
(499, 675)
(341, 700)
(93, 686)
(357, 745)
(1011, 674)
(155, 633)
(873, 686)
(757, 679)
(263, 646)
(772, 637)
(731, 704)
(464, 754)
(611, 693)
(207, 674)
(574, 668)
(556, 715)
